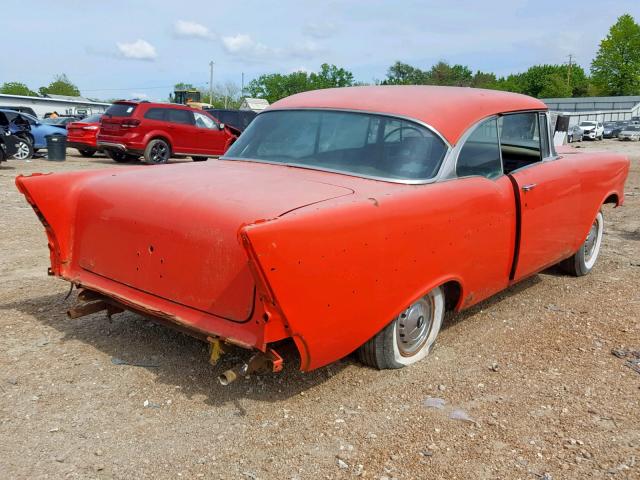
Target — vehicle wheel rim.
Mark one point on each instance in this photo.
(592, 243)
(23, 151)
(159, 153)
(414, 326)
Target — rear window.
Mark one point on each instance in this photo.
(92, 118)
(121, 109)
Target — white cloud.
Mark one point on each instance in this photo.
(243, 44)
(245, 47)
(138, 50)
(187, 29)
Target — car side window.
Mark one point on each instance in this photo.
(175, 115)
(155, 113)
(202, 121)
(480, 155)
(519, 140)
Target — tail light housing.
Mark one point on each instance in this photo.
(90, 127)
(130, 123)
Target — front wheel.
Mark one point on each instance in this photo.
(24, 149)
(581, 262)
(409, 337)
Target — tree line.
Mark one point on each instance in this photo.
(614, 71)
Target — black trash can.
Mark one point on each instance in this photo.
(56, 147)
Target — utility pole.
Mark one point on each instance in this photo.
(211, 64)
(569, 70)
(242, 89)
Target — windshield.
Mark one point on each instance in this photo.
(121, 109)
(632, 128)
(354, 143)
(587, 124)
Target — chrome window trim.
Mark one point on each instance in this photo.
(450, 171)
(435, 178)
(553, 155)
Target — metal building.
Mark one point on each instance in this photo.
(62, 104)
(595, 108)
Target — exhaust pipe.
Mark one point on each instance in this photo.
(261, 362)
(233, 374)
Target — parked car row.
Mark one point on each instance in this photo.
(594, 130)
(129, 130)
(30, 131)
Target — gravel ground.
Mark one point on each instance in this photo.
(528, 376)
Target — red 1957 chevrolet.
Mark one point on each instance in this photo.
(343, 219)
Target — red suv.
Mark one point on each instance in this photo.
(158, 131)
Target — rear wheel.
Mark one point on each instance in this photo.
(584, 259)
(117, 156)
(200, 159)
(409, 337)
(24, 149)
(157, 151)
(87, 153)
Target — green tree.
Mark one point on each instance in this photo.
(484, 80)
(61, 85)
(17, 88)
(275, 86)
(331, 76)
(452, 75)
(616, 68)
(545, 81)
(511, 83)
(404, 74)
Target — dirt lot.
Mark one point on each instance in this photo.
(532, 368)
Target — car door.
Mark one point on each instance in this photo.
(490, 214)
(212, 139)
(547, 193)
(182, 130)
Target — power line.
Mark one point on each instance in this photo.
(121, 89)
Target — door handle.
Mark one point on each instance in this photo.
(529, 186)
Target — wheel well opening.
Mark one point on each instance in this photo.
(452, 292)
(613, 198)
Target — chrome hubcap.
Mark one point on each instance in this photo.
(23, 151)
(590, 243)
(414, 326)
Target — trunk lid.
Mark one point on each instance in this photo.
(172, 231)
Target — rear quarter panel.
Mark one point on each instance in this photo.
(602, 177)
(341, 270)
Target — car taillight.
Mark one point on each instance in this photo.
(130, 123)
(90, 127)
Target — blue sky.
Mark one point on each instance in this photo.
(117, 48)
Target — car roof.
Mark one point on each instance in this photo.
(449, 110)
(149, 104)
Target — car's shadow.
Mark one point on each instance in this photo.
(174, 358)
(131, 341)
